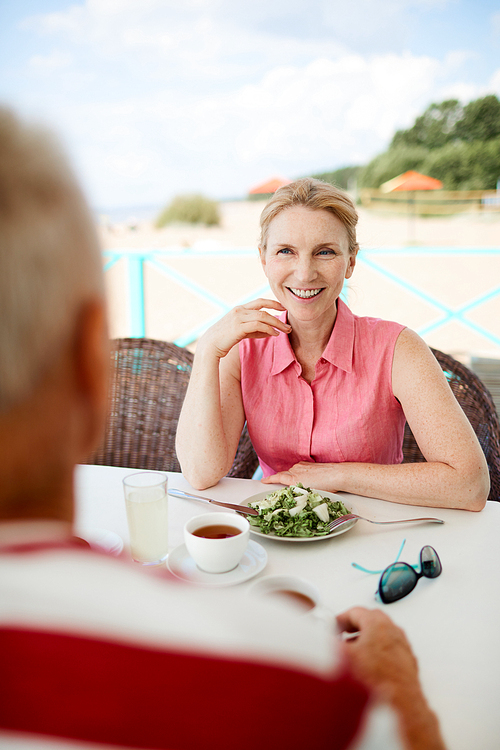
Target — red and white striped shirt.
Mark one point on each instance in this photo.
(95, 653)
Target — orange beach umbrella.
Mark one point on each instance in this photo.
(411, 181)
(270, 186)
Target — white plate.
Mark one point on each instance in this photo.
(102, 540)
(182, 565)
(341, 530)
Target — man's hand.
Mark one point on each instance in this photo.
(380, 655)
(381, 658)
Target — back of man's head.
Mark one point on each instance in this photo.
(50, 261)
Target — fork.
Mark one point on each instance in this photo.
(352, 516)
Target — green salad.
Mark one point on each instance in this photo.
(296, 511)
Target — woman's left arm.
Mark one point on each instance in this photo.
(455, 473)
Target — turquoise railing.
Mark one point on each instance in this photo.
(137, 259)
(446, 313)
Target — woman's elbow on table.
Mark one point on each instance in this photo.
(201, 483)
(200, 470)
(201, 478)
(482, 494)
(476, 490)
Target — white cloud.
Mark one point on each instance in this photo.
(130, 164)
(55, 60)
(495, 23)
(326, 109)
(65, 22)
(191, 38)
(494, 86)
(159, 96)
(456, 59)
(293, 120)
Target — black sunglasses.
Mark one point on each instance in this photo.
(399, 579)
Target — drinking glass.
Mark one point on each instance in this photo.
(147, 505)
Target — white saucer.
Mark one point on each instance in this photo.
(182, 565)
(102, 540)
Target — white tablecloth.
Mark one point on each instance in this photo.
(453, 622)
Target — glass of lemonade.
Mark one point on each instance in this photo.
(146, 504)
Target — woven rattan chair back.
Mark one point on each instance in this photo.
(148, 383)
(477, 403)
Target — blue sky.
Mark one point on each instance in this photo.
(159, 97)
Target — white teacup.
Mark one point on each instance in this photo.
(211, 550)
(293, 591)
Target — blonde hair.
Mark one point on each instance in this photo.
(316, 195)
(50, 259)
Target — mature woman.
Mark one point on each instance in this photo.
(325, 393)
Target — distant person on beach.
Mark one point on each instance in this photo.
(325, 393)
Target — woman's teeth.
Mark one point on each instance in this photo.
(305, 293)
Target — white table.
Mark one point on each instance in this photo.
(453, 622)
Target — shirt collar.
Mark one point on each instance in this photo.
(283, 354)
(340, 347)
(338, 351)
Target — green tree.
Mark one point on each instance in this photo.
(340, 177)
(391, 163)
(190, 209)
(466, 166)
(435, 128)
(458, 145)
(480, 120)
(490, 163)
(450, 164)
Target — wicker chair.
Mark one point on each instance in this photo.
(477, 403)
(148, 384)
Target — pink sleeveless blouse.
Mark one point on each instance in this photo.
(348, 412)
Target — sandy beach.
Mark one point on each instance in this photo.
(240, 227)
(206, 269)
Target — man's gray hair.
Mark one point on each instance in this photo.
(50, 260)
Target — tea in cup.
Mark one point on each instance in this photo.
(291, 590)
(217, 541)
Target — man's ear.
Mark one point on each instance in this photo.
(91, 370)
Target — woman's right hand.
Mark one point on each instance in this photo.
(250, 321)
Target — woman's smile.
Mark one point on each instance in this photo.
(305, 293)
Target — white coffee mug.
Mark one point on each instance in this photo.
(217, 541)
(293, 591)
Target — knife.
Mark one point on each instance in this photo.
(238, 508)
